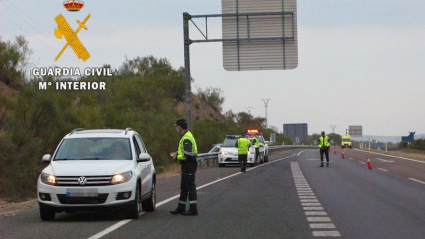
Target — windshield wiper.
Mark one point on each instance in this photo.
(63, 159)
(93, 158)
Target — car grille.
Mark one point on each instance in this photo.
(101, 198)
(72, 181)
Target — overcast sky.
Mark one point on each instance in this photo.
(360, 62)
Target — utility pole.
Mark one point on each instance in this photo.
(266, 102)
(249, 109)
(333, 128)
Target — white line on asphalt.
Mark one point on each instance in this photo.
(313, 208)
(123, 222)
(307, 196)
(322, 225)
(351, 158)
(419, 181)
(326, 234)
(414, 160)
(362, 162)
(383, 169)
(311, 204)
(300, 153)
(316, 213)
(318, 219)
(309, 200)
(383, 160)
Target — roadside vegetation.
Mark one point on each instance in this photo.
(142, 94)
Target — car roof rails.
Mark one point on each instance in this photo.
(77, 129)
(127, 129)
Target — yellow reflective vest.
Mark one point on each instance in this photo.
(243, 145)
(187, 142)
(324, 141)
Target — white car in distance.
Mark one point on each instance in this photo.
(97, 170)
(228, 154)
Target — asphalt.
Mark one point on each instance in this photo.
(262, 203)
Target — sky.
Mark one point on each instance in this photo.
(360, 62)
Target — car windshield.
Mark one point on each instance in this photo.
(260, 138)
(94, 149)
(346, 140)
(229, 143)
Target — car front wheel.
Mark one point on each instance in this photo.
(136, 205)
(149, 204)
(46, 214)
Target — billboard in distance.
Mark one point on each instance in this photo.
(296, 132)
(355, 130)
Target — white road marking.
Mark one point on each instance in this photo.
(123, 222)
(414, 160)
(313, 208)
(318, 219)
(351, 158)
(326, 234)
(322, 225)
(383, 169)
(311, 204)
(386, 161)
(309, 200)
(419, 181)
(300, 153)
(316, 213)
(362, 162)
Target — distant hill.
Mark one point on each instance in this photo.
(380, 138)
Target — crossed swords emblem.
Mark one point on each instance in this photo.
(65, 30)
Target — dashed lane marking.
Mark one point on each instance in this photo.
(312, 207)
(419, 181)
(384, 160)
(414, 160)
(123, 222)
(383, 169)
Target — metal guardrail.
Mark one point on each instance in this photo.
(204, 158)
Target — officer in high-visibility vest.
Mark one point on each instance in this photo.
(243, 145)
(186, 156)
(324, 148)
(257, 145)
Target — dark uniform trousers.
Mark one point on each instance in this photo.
(187, 185)
(242, 161)
(326, 152)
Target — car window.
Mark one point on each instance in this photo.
(94, 149)
(229, 143)
(141, 144)
(136, 146)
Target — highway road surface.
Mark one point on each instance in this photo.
(289, 197)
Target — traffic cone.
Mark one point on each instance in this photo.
(369, 164)
(334, 150)
(343, 154)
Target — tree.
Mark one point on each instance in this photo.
(213, 97)
(14, 61)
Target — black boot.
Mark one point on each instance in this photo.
(327, 165)
(180, 208)
(321, 165)
(193, 210)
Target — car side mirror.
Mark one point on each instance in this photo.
(261, 145)
(46, 158)
(219, 147)
(144, 157)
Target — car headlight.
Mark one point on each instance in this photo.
(48, 179)
(223, 152)
(121, 177)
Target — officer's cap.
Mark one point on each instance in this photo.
(180, 122)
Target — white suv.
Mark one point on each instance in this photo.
(97, 170)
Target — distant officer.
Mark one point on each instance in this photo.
(257, 145)
(243, 146)
(186, 155)
(324, 148)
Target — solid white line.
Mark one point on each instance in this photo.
(307, 196)
(362, 162)
(419, 181)
(309, 200)
(326, 234)
(318, 219)
(300, 153)
(322, 225)
(383, 169)
(316, 213)
(383, 160)
(414, 160)
(123, 222)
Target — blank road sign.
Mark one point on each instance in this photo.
(355, 130)
(259, 35)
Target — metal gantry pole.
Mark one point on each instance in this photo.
(266, 102)
(186, 18)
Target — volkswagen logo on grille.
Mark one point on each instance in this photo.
(82, 180)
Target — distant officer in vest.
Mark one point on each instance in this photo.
(186, 156)
(257, 145)
(243, 145)
(324, 148)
